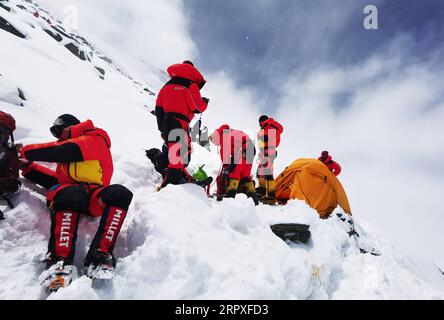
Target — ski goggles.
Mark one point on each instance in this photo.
(58, 127)
(57, 130)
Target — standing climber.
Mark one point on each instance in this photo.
(237, 153)
(328, 161)
(177, 103)
(79, 185)
(269, 138)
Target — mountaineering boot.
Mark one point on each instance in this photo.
(231, 194)
(173, 176)
(261, 190)
(233, 185)
(254, 197)
(158, 159)
(250, 191)
(58, 274)
(100, 265)
(271, 187)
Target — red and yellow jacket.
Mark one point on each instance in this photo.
(84, 158)
(181, 95)
(269, 137)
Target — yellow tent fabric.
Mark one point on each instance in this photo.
(310, 180)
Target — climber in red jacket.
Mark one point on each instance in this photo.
(269, 138)
(328, 161)
(79, 185)
(177, 103)
(237, 153)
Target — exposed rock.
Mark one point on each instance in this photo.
(56, 36)
(5, 25)
(106, 59)
(21, 94)
(76, 51)
(10, 93)
(60, 30)
(102, 72)
(149, 91)
(4, 6)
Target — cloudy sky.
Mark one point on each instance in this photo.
(261, 43)
(374, 98)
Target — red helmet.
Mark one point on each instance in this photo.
(216, 137)
(7, 121)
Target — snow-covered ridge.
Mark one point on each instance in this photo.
(27, 13)
(177, 243)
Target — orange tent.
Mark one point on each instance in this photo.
(310, 180)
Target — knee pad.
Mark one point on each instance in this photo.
(71, 199)
(116, 195)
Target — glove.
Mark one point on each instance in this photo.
(23, 163)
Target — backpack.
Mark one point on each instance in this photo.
(9, 162)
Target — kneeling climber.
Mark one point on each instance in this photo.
(79, 185)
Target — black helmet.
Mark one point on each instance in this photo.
(263, 118)
(188, 62)
(63, 122)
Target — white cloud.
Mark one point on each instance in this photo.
(388, 136)
(153, 33)
(230, 104)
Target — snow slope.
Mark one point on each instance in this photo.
(177, 243)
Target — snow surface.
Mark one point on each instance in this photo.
(177, 243)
